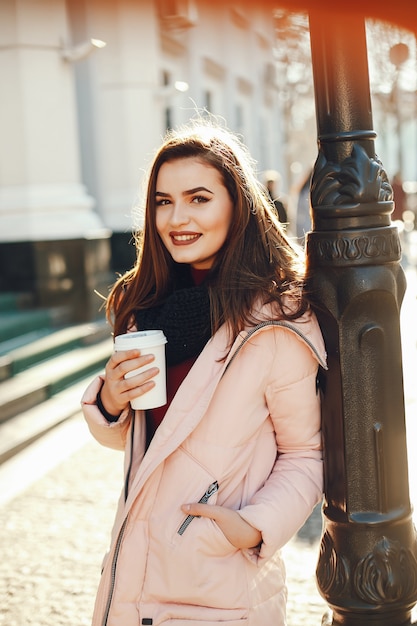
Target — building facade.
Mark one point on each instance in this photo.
(89, 88)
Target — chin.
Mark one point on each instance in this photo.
(179, 258)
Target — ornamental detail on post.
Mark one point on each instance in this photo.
(364, 249)
(357, 179)
(352, 202)
(332, 569)
(386, 575)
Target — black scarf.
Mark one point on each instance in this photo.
(184, 317)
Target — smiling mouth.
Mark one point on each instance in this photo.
(184, 239)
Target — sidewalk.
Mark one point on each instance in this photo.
(57, 502)
(55, 533)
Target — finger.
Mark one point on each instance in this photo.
(203, 510)
(137, 392)
(116, 359)
(135, 386)
(118, 356)
(236, 530)
(136, 366)
(135, 378)
(117, 393)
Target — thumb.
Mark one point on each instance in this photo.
(199, 510)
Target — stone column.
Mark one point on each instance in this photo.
(52, 242)
(120, 110)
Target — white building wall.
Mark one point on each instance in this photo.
(121, 122)
(77, 137)
(229, 50)
(42, 196)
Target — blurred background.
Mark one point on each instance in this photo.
(90, 87)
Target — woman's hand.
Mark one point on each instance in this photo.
(117, 391)
(235, 529)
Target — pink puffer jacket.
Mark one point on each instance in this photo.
(249, 424)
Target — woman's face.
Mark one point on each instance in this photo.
(193, 211)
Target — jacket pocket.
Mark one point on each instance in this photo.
(185, 564)
(211, 489)
(183, 480)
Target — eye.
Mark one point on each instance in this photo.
(162, 201)
(199, 199)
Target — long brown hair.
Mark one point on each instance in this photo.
(257, 261)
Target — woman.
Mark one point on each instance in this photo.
(219, 479)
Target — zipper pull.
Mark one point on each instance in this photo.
(212, 489)
(209, 492)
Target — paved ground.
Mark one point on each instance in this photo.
(55, 532)
(57, 502)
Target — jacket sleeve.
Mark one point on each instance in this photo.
(295, 484)
(109, 434)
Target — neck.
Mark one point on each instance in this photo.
(198, 276)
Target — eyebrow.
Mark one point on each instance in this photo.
(188, 192)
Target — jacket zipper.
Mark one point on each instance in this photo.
(275, 323)
(129, 469)
(122, 530)
(209, 492)
(113, 570)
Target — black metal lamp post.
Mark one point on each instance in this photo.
(367, 568)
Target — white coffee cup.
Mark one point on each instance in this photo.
(148, 342)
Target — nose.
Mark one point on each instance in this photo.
(179, 215)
